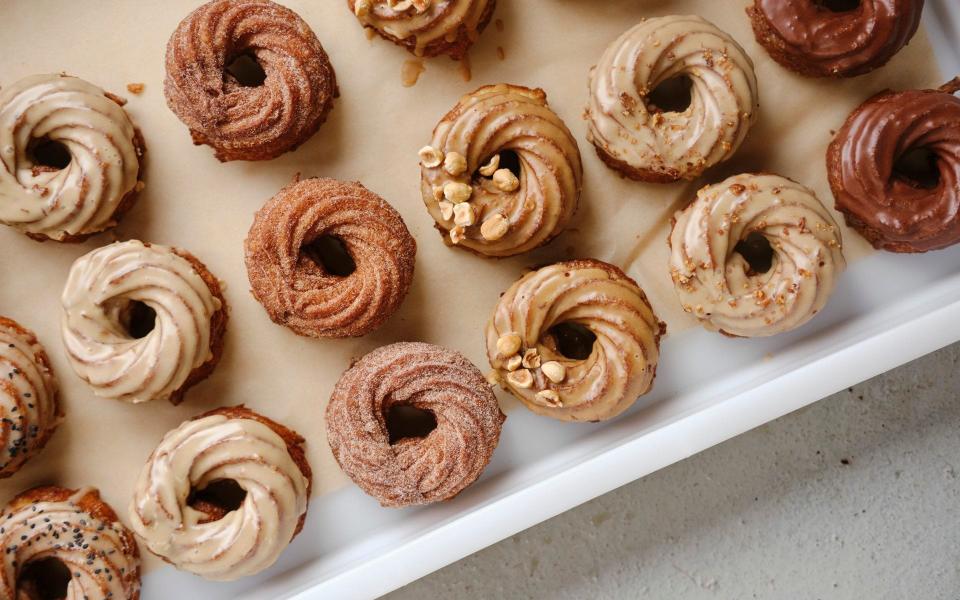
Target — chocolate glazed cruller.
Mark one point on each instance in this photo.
(646, 143)
(413, 470)
(265, 459)
(102, 178)
(29, 400)
(245, 122)
(720, 287)
(427, 27)
(525, 352)
(76, 529)
(808, 37)
(289, 278)
(893, 212)
(104, 292)
(479, 204)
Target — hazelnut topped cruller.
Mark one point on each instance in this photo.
(502, 175)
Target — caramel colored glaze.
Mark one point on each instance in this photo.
(100, 183)
(716, 283)
(296, 291)
(240, 122)
(264, 458)
(810, 39)
(891, 212)
(29, 401)
(427, 28)
(623, 362)
(76, 528)
(645, 143)
(185, 343)
(413, 470)
(507, 118)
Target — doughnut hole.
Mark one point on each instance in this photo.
(918, 168)
(44, 579)
(246, 70)
(757, 251)
(838, 6)
(138, 319)
(509, 160)
(47, 153)
(217, 499)
(671, 95)
(571, 340)
(405, 421)
(330, 254)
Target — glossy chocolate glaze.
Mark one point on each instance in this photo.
(891, 211)
(808, 37)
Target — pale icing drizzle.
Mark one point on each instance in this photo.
(717, 284)
(100, 555)
(100, 287)
(245, 541)
(81, 198)
(674, 144)
(28, 397)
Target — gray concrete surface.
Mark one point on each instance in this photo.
(854, 497)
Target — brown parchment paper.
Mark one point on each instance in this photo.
(373, 135)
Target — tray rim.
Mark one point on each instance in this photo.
(875, 351)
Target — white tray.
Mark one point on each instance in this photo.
(888, 310)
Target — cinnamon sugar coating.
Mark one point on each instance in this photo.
(297, 291)
(242, 122)
(413, 470)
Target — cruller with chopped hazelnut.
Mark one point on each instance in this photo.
(530, 361)
(502, 174)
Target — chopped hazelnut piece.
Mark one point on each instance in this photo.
(438, 192)
(455, 164)
(531, 359)
(505, 180)
(495, 227)
(362, 8)
(508, 344)
(135, 88)
(554, 371)
(463, 214)
(522, 378)
(457, 192)
(446, 210)
(458, 234)
(491, 167)
(550, 398)
(513, 363)
(493, 378)
(430, 157)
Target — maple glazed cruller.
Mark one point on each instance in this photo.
(70, 158)
(753, 216)
(476, 200)
(239, 116)
(427, 27)
(194, 530)
(142, 322)
(525, 340)
(645, 142)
